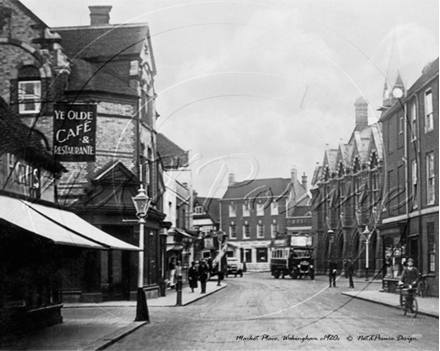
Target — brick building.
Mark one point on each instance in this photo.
(345, 194)
(254, 212)
(109, 68)
(410, 218)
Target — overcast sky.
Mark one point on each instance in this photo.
(255, 87)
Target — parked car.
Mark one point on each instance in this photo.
(234, 267)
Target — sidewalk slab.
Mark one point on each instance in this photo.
(94, 326)
(428, 306)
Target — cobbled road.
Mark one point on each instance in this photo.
(258, 312)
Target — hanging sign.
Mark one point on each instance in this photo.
(74, 132)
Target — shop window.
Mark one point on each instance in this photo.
(395, 256)
(247, 255)
(431, 248)
(262, 254)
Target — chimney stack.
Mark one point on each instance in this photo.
(231, 179)
(293, 175)
(304, 181)
(99, 15)
(361, 114)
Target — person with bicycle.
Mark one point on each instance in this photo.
(409, 279)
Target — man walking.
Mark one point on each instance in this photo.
(350, 271)
(332, 271)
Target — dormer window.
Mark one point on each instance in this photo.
(199, 210)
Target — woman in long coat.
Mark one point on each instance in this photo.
(193, 274)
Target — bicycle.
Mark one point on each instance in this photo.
(422, 286)
(408, 301)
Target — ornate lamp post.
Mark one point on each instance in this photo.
(366, 233)
(141, 202)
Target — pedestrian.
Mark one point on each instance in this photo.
(350, 271)
(332, 271)
(203, 275)
(172, 269)
(193, 275)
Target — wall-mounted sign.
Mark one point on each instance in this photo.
(74, 132)
(301, 241)
(209, 243)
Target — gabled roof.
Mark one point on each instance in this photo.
(115, 172)
(103, 42)
(330, 156)
(172, 156)
(211, 206)
(253, 188)
(100, 56)
(18, 139)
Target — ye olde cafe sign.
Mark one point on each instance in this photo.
(74, 132)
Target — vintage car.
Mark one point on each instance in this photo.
(234, 266)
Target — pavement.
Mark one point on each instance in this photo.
(95, 326)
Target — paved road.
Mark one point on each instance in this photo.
(257, 312)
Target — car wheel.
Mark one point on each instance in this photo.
(276, 274)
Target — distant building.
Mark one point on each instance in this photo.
(346, 194)
(254, 212)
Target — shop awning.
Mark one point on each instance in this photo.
(60, 226)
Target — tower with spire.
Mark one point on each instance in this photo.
(394, 88)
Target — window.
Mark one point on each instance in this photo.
(274, 208)
(401, 125)
(246, 231)
(260, 231)
(375, 187)
(413, 119)
(429, 115)
(29, 96)
(246, 211)
(262, 254)
(260, 209)
(431, 247)
(232, 231)
(414, 183)
(430, 173)
(199, 210)
(274, 229)
(232, 210)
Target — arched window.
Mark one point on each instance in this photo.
(29, 90)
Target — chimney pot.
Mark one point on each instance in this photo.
(304, 181)
(99, 15)
(231, 179)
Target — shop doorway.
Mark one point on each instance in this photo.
(414, 250)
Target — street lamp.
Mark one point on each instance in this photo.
(141, 202)
(366, 233)
(331, 236)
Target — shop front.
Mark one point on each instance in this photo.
(394, 255)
